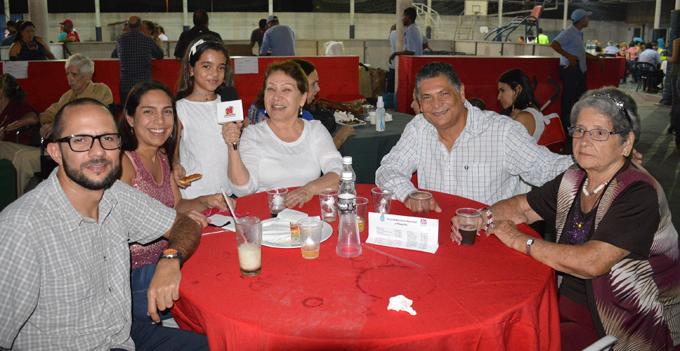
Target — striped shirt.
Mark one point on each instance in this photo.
(486, 163)
(65, 278)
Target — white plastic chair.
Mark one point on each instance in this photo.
(605, 344)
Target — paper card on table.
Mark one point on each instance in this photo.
(18, 69)
(229, 111)
(245, 65)
(413, 233)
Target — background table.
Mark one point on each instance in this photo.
(483, 297)
(368, 147)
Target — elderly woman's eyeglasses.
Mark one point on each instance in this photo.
(82, 143)
(595, 134)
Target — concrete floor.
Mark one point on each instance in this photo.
(661, 158)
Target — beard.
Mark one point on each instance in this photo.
(79, 177)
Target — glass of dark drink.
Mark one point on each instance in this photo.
(469, 223)
(277, 200)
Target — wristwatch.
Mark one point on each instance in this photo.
(529, 243)
(172, 254)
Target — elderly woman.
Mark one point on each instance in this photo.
(616, 244)
(27, 47)
(283, 150)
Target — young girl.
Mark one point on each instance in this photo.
(205, 80)
(149, 132)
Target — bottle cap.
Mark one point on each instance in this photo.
(346, 175)
(380, 103)
(347, 160)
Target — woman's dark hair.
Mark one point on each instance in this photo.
(21, 28)
(291, 69)
(10, 87)
(134, 98)
(185, 83)
(151, 25)
(306, 66)
(525, 98)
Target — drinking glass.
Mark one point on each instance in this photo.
(277, 200)
(362, 209)
(249, 241)
(328, 199)
(469, 223)
(382, 200)
(310, 237)
(420, 203)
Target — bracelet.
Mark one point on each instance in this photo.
(489, 218)
(529, 243)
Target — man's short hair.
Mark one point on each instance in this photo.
(263, 23)
(11, 24)
(650, 45)
(540, 30)
(411, 12)
(434, 70)
(200, 18)
(58, 126)
(134, 24)
(84, 64)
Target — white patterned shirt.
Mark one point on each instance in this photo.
(65, 278)
(485, 164)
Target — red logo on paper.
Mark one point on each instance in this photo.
(423, 222)
(229, 110)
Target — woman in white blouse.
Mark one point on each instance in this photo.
(284, 150)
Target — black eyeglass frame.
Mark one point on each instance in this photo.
(94, 137)
(572, 130)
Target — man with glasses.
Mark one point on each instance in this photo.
(65, 277)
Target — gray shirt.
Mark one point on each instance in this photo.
(280, 39)
(65, 278)
(650, 56)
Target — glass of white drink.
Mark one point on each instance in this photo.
(249, 240)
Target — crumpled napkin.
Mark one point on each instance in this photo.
(276, 232)
(291, 215)
(401, 303)
(388, 117)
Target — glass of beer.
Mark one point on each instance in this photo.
(249, 240)
(469, 223)
(420, 203)
(310, 237)
(328, 199)
(277, 200)
(362, 209)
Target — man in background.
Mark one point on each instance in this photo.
(135, 52)
(68, 35)
(542, 38)
(258, 34)
(201, 22)
(11, 32)
(279, 38)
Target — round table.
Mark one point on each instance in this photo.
(368, 147)
(483, 297)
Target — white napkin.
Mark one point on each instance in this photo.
(388, 117)
(219, 221)
(276, 232)
(401, 303)
(291, 215)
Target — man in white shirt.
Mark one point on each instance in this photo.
(458, 149)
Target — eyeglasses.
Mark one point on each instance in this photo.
(82, 143)
(595, 134)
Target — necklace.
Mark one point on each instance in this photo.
(586, 193)
(206, 94)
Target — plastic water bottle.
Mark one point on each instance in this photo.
(380, 115)
(347, 167)
(349, 243)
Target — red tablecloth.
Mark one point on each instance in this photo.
(484, 297)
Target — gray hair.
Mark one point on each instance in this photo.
(615, 104)
(84, 64)
(434, 70)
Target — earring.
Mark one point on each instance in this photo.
(300, 110)
(132, 131)
(625, 153)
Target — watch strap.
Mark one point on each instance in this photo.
(489, 217)
(177, 255)
(530, 242)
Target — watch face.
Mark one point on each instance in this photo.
(170, 252)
